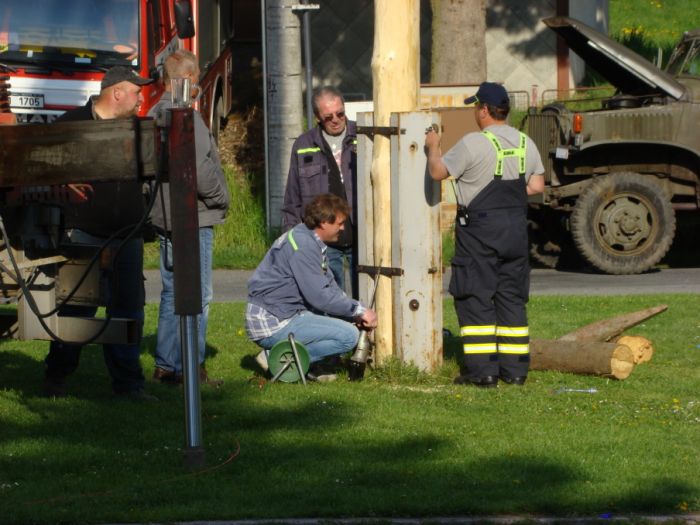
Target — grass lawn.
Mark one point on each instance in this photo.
(401, 443)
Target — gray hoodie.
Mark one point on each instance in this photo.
(212, 193)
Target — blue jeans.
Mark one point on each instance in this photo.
(125, 298)
(336, 258)
(168, 349)
(322, 336)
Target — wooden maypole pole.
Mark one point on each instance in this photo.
(396, 80)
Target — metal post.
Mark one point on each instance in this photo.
(415, 245)
(186, 270)
(194, 456)
(306, 41)
(263, 15)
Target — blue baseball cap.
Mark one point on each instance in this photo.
(490, 93)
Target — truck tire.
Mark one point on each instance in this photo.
(623, 223)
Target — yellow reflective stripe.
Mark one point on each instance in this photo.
(484, 348)
(354, 141)
(501, 153)
(512, 331)
(308, 150)
(291, 240)
(513, 349)
(478, 330)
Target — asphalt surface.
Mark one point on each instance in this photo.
(230, 285)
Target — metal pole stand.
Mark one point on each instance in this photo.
(193, 455)
(186, 271)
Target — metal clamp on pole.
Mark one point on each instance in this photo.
(385, 131)
(387, 271)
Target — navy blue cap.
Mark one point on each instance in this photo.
(490, 93)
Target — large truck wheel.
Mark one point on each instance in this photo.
(623, 223)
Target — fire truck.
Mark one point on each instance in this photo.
(56, 51)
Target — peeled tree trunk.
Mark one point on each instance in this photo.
(459, 44)
(593, 358)
(396, 79)
(610, 330)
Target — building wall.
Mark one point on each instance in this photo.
(521, 51)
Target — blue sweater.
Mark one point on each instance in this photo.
(294, 276)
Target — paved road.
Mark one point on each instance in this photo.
(230, 285)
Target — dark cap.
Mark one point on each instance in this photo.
(490, 93)
(118, 74)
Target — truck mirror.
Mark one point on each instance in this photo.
(183, 18)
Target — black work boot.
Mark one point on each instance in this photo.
(481, 382)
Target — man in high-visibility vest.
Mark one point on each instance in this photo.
(292, 291)
(324, 160)
(496, 169)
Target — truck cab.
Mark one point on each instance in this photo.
(617, 173)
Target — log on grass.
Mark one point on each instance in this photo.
(606, 329)
(590, 357)
(641, 347)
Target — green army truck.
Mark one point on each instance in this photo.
(616, 175)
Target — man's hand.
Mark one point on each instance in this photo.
(432, 139)
(436, 168)
(368, 319)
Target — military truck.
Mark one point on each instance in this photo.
(615, 175)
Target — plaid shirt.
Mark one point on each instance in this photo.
(259, 323)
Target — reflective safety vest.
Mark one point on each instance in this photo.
(501, 153)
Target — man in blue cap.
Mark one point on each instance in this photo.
(496, 169)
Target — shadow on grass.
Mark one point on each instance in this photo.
(303, 452)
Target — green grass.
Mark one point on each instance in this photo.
(646, 25)
(401, 443)
(241, 242)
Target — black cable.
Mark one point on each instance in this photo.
(29, 297)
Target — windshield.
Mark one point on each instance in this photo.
(685, 59)
(94, 34)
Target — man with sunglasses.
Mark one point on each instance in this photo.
(324, 160)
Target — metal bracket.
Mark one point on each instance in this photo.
(385, 131)
(387, 271)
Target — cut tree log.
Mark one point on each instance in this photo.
(590, 357)
(607, 329)
(641, 347)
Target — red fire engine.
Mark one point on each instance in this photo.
(56, 51)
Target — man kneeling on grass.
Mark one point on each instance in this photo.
(293, 291)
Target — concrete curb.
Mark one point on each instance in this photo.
(688, 519)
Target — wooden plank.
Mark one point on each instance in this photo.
(82, 151)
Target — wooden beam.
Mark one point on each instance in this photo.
(396, 79)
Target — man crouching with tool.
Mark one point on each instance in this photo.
(293, 291)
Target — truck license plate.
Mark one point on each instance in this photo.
(26, 100)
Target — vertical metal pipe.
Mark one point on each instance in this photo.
(263, 16)
(187, 288)
(306, 37)
(190, 365)
(194, 456)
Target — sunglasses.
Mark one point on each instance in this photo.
(329, 118)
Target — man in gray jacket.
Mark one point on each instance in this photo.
(213, 202)
(293, 289)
